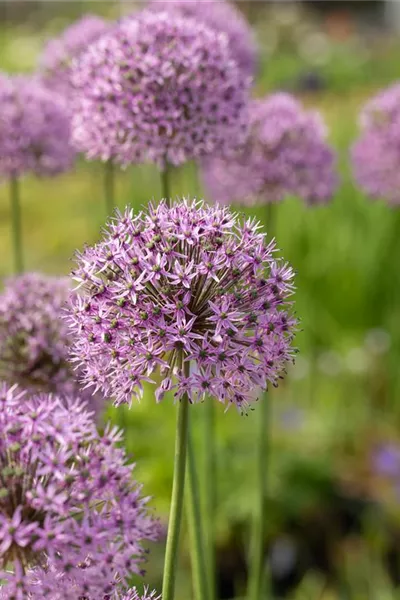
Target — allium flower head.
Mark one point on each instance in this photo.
(177, 287)
(158, 88)
(221, 16)
(57, 57)
(284, 154)
(34, 338)
(69, 508)
(376, 154)
(34, 129)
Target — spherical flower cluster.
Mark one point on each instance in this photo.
(221, 16)
(69, 508)
(56, 59)
(187, 291)
(376, 154)
(34, 338)
(284, 154)
(34, 129)
(158, 88)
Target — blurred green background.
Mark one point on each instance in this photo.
(333, 526)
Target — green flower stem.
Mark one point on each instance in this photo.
(109, 187)
(16, 225)
(210, 491)
(175, 516)
(195, 527)
(257, 571)
(257, 555)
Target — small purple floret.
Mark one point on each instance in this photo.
(37, 593)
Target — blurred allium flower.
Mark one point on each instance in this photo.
(34, 129)
(376, 154)
(224, 17)
(180, 286)
(56, 59)
(285, 154)
(34, 338)
(158, 88)
(69, 508)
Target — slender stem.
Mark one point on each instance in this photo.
(210, 491)
(195, 528)
(16, 225)
(166, 183)
(175, 516)
(109, 187)
(257, 558)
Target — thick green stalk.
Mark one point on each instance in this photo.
(257, 570)
(16, 225)
(176, 510)
(195, 527)
(109, 187)
(210, 492)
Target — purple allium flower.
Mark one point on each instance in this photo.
(183, 286)
(56, 59)
(376, 154)
(223, 17)
(34, 129)
(158, 88)
(285, 154)
(35, 340)
(69, 508)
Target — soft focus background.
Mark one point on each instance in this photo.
(333, 520)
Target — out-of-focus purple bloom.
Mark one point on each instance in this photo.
(376, 154)
(387, 461)
(35, 340)
(70, 513)
(56, 59)
(34, 129)
(292, 418)
(158, 88)
(285, 154)
(224, 17)
(177, 287)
